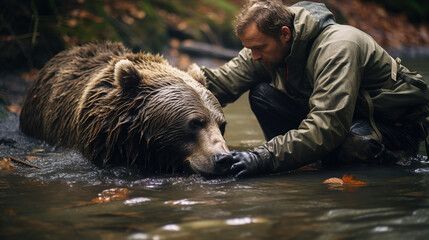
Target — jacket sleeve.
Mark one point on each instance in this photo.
(235, 77)
(337, 76)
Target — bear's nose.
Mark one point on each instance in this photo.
(222, 162)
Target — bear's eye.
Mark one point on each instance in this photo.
(222, 128)
(196, 124)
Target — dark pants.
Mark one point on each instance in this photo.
(277, 113)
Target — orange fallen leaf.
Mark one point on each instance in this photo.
(14, 109)
(72, 22)
(103, 197)
(111, 194)
(308, 167)
(346, 184)
(9, 212)
(5, 164)
(31, 75)
(349, 179)
(87, 15)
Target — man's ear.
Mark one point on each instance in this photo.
(285, 34)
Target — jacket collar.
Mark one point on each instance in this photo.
(309, 20)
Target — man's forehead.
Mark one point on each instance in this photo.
(251, 32)
(252, 36)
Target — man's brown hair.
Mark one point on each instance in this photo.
(269, 16)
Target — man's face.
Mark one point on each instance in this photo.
(269, 51)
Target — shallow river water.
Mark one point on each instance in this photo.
(71, 199)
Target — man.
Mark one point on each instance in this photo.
(320, 91)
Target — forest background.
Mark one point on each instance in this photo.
(32, 31)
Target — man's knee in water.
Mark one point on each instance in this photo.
(362, 146)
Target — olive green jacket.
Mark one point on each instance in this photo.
(327, 68)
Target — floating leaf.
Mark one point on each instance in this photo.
(111, 194)
(347, 184)
(349, 179)
(334, 181)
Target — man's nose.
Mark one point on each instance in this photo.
(255, 55)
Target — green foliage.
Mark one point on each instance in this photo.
(224, 5)
(32, 31)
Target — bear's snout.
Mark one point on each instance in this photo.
(222, 162)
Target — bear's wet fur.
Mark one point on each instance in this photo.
(122, 108)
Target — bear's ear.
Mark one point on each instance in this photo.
(195, 72)
(127, 75)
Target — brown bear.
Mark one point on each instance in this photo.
(118, 107)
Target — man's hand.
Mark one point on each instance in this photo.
(246, 163)
(250, 164)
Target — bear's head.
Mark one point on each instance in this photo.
(160, 118)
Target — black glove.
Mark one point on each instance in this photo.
(251, 163)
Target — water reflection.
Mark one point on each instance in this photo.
(395, 204)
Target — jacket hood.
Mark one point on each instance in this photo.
(309, 20)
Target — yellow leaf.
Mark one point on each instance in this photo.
(334, 181)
